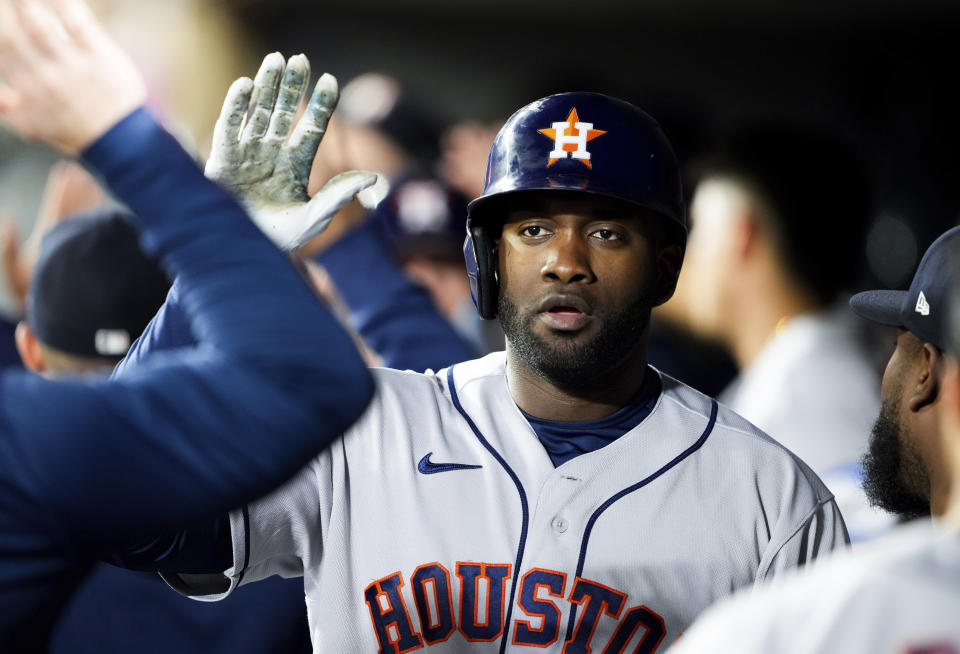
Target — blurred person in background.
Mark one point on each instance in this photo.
(901, 593)
(92, 292)
(382, 126)
(68, 189)
(409, 309)
(425, 224)
(779, 218)
(463, 156)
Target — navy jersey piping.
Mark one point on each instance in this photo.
(523, 505)
(626, 491)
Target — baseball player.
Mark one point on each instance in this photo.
(562, 494)
(901, 594)
(902, 469)
(760, 279)
(92, 291)
(194, 433)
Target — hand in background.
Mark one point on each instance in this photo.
(69, 189)
(63, 80)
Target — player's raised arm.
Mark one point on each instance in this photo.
(266, 159)
(274, 380)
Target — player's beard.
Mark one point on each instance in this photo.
(565, 362)
(895, 477)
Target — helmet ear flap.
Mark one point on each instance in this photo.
(479, 252)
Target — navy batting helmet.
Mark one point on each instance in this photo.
(571, 142)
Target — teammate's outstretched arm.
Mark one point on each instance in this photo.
(274, 380)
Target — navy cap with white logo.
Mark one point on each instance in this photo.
(422, 217)
(922, 309)
(93, 290)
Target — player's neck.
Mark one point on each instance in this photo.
(949, 432)
(950, 510)
(760, 313)
(597, 398)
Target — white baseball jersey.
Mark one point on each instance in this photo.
(814, 388)
(438, 521)
(896, 595)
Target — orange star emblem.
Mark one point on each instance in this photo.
(570, 139)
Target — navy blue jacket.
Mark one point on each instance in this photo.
(190, 434)
(394, 315)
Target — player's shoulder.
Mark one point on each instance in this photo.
(885, 576)
(397, 392)
(464, 373)
(404, 391)
(727, 422)
(903, 552)
(924, 554)
(493, 366)
(734, 438)
(392, 378)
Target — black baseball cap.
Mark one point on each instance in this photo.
(93, 290)
(923, 308)
(382, 102)
(423, 217)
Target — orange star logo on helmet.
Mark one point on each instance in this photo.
(570, 139)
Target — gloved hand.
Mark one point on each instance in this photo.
(267, 166)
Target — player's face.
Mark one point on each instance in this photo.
(578, 278)
(895, 475)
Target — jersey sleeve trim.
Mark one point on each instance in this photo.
(831, 514)
(215, 587)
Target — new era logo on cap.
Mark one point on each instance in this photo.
(937, 274)
(112, 342)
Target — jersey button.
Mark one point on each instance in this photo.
(560, 524)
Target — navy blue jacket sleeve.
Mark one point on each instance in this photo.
(190, 433)
(168, 330)
(396, 317)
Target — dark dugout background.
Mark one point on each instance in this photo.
(882, 71)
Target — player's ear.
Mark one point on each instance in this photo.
(669, 259)
(927, 381)
(29, 348)
(950, 385)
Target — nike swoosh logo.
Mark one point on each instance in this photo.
(428, 467)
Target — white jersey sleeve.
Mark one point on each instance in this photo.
(897, 595)
(797, 542)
